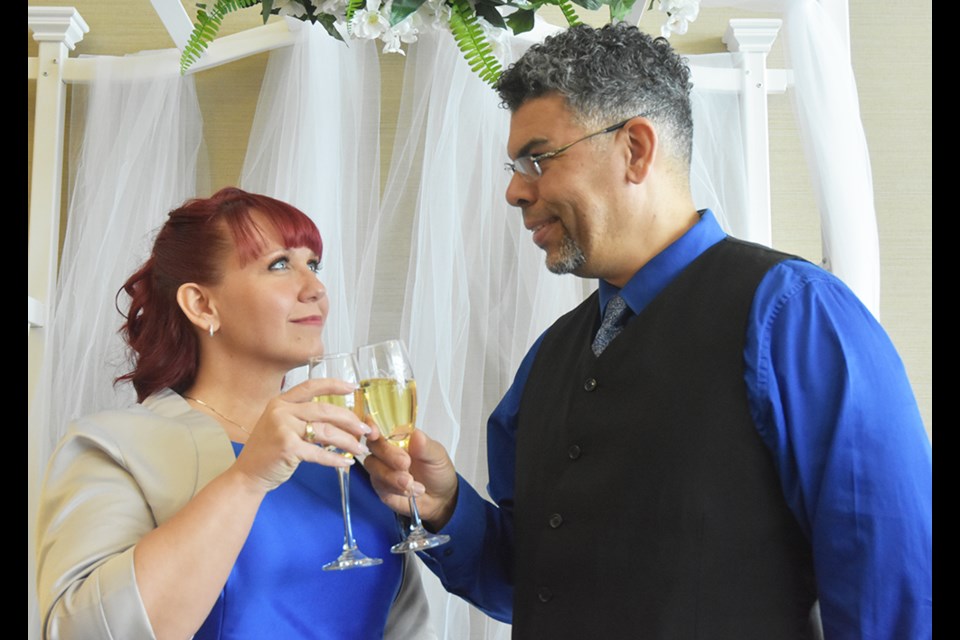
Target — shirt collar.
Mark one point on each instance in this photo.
(651, 279)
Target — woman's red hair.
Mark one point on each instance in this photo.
(192, 246)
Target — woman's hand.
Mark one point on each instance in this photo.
(278, 443)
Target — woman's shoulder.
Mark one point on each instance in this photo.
(117, 422)
(164, 414)
(162, 442)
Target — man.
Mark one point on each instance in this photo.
(739, 450)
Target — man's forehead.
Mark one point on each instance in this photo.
(538, 120)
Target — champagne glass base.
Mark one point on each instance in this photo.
(351, 559)
(419, 541)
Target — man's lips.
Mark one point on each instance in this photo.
(541, 230)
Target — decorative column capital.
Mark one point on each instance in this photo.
(752, 35)
(57, 24)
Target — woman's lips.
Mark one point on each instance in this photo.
(310, 320)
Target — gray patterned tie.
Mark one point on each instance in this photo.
(611, 325)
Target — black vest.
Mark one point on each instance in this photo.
(646, 504)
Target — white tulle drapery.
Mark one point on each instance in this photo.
(138, 158)
(476, 291)
(315, 144)
(827, 109)
(718, 167)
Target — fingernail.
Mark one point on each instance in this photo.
(365, 428)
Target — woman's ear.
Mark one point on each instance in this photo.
(643, 145)
(195, 302)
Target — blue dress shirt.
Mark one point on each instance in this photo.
(830, 399)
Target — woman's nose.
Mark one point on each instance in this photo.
(313, 288)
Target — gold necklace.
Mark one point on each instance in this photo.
(202, 403)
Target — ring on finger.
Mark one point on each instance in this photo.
(310, 435)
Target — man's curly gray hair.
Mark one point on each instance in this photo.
(608, 74)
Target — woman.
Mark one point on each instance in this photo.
(191, 514)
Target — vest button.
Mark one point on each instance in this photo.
(544, 594)
(590, 384)
(556, 520)
(574, 452)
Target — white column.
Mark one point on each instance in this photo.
(753, 38)
(57, 29)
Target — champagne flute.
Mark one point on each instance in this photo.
(343, 366)
(390, 393)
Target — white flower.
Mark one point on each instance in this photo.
(391, 43)
(336, 8)
(433, 15)
(680, 13)
(369, 23)
(404, 31)
(290, 8)
(407, 30)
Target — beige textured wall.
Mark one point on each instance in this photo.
(892, 56)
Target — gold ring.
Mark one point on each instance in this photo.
(310, 434)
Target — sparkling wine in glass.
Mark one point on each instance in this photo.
(390, 394)
(343, 366)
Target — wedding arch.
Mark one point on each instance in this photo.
(471, 295)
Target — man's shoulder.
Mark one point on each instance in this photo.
(785, 271)
(748, 250)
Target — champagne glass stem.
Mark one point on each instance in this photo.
(351, 556)
(348, 541)
(415, 524)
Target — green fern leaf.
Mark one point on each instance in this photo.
(207, 27)
(569, 13)
(472, 43)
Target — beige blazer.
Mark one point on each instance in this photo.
(114, 477)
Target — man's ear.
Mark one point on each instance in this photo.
(643, 144)
(195, 302)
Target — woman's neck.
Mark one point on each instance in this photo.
(234, 397)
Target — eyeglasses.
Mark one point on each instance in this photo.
(529, 166)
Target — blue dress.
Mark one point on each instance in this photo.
(278, 589)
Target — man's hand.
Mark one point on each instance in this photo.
(424, 470)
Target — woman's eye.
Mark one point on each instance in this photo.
(278, 264)
(315, 266)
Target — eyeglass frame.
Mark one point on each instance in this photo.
(534, 160)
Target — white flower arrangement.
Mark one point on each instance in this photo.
(478, 26)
